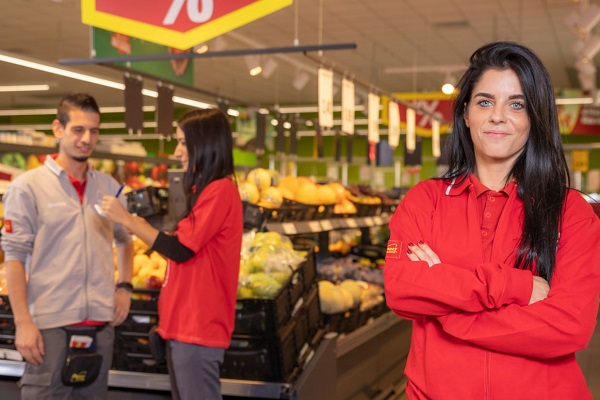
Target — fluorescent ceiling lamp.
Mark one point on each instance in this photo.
(61, 72)
(447, 88)
(92, 79)
(574, 100)
(24, 88)
(312, 109)
(233, 113)
(52, 111)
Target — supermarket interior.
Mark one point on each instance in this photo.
(337, 108)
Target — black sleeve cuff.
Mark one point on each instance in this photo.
(170, 247)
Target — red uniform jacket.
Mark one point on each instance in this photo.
(197, 300)
(474, 335)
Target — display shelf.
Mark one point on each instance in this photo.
(319, 371)
(22, 148)
(326, 225)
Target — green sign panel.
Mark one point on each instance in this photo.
(111, 44)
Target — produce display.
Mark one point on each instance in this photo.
(267, 189)
(148, 267)
(349, 294)
(267, 261)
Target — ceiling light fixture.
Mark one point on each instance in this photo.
(24, 88)
(300, 80)
(269, 66)
(92, 79)
(253, 64)
(52, 111)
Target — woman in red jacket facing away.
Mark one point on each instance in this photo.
(197, 301)
(497, 262)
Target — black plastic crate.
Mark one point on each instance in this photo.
(146, 364)
(309, 271)
(4, 304)
(367, 210)
(262, 359)
(258, 316)
(136, 324)
(343, 322)
(312, 310)
(145, 301)
(254, 216)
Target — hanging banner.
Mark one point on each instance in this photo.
(325, 98)
(394, 124)
(176, 23)
(410, 129)
(111, 44)
(373, 118)
(578, 119)
(436, 104)
(435, 138)
(348, 106)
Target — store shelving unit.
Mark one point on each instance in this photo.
(383, 343)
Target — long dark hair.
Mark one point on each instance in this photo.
(209, 144)
(541, 170)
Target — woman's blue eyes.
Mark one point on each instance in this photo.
(515, 105)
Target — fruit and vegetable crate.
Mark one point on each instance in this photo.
(277, 354)
(271, 358)
(343, 322)
(132, 345)
(367, 210)
(145, 301)
(7, 330)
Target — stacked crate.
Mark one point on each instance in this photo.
(7, 332)
(132, 345)
(274, 337)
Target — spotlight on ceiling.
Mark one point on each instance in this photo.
(269, 66)
(253, 64)
(300, 80)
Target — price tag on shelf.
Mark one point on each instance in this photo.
(289, 228)
(326, 225)
(369, 221)
(378, 220)
(351, 223)
(314, 226)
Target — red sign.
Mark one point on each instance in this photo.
(176, 23)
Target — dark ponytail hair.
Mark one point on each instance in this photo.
(541, 170)
(209, 144)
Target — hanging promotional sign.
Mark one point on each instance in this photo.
(348, 106)
(435, 138)
(577, 119)
(394, 124)
(325, 98)
(373, 118)
(110, 44)
(410, 129)
(176, 23)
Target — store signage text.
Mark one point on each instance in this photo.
(176, 23)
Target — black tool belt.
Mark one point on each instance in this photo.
(82, 363)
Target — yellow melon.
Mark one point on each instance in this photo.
(248, 192)
(339, 189)
(307, 193)
(271, 195)
(290, 183)
(260, 177)
(286, 193)
(325, 195)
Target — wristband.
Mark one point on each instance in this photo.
(125, 285)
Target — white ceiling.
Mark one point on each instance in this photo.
(388, 34)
